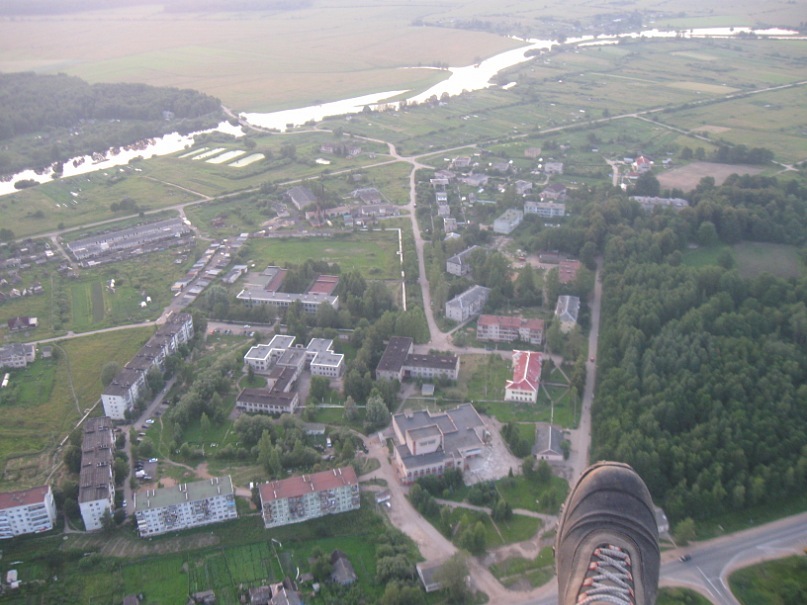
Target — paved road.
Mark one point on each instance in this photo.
(713, 561)
(580, 438)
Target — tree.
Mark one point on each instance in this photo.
(351, 411)
(107, 522)
(320, 389)
(707, 234)
(685, 531)
(204, 423)
(453, 577)
(108, 372)
(154, 379)
(377, 414)
(647, 184)
(396, 593)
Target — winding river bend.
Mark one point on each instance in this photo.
(459, 80)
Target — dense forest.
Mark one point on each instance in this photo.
(52, 118)
(703, 373)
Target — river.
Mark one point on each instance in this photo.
(460, 79)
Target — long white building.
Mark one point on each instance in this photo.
(96, 489)
(122, 393)
(185, 505)
(26, 511)
(305, 497)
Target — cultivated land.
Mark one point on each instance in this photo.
(232, 56)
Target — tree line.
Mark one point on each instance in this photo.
(52, 118)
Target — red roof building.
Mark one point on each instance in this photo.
(526, 377)
(305, 497)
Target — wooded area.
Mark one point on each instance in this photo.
(703, 374)
(52, 118)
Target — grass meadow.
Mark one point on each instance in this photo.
(48, 397)
(751, 258)
(779, 581)
(373, 253)
(52, 206)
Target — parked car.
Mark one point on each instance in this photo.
(685, 558)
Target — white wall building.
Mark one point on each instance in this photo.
(96, 489)
(305, 497)
(27, 511)
(184, 506)
(124, 390)
(508, 221)
(468, 304)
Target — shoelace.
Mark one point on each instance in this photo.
(609, 579)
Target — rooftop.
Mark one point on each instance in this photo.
(294, 487)
(184, 492)
(25, 497)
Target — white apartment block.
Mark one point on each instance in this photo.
(468, 304)
(184, 506)
(26, 511)
(545, 209)
(459, 264)
(305, 497)
(122, 393)
(262, 357)
(505, 328)
(96, 489)
(508, 221)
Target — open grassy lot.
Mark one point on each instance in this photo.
(48, 397)
(751, 258)
(530, 494)
(371, 252)
(755, 258)
(54, 206)
(515, 571)
(780, 581)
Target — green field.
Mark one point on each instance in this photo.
(52, 206)
(372, 253)
(41, 407)
(751, 258)
(775, 582)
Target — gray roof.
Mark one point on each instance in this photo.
(395, 354)
(198, 490)
(548, 439)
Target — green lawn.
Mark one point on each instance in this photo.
(521, 492)
(779, 582)
(680, 596)
(41, 408)
(372, 252)
(536, 572)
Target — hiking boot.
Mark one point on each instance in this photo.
(606, 550)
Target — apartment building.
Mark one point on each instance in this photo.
(184, 506)
(96, 488)
(27, 511)
(468, 304)
(459, 264)
(122, 393)
(504, 328)
(305, 497)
